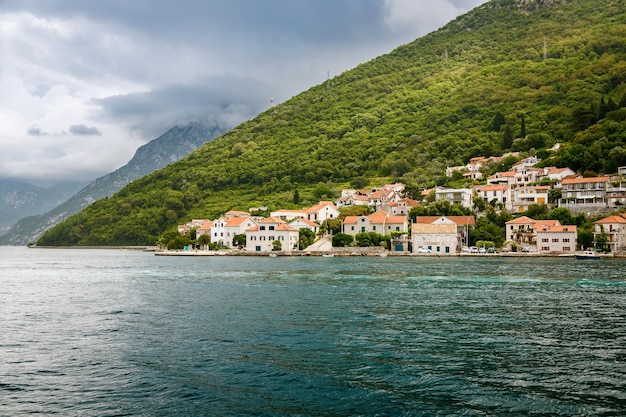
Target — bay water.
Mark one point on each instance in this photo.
(125, 333)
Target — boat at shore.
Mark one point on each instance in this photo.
(588, 254)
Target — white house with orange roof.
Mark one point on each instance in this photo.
(584, 194)
(261, 237)
(401, 207)
(288, 215)
(236, 213)
(557, 174)
(524, 196)
(224, 229)
(501, 193)
(194, 223)
(322, 211)
(615, 229)
(556, 238)
(458, 196)
(508, 178)
(301, 223)
(205, 229)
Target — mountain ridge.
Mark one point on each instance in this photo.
(552, 71)
(171, 146)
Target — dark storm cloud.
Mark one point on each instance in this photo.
(220, 101)
(83, 130)
(135, 68)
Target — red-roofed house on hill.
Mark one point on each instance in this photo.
(584, 194)
(615, 229)
(322, 211)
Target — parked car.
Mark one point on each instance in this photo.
(491, 250)
(473, 249)
(422, 249)
(526, 250)
(482, 250)
(465, 249)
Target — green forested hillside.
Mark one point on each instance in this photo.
(512, 74)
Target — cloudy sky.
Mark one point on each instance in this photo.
(84, 83)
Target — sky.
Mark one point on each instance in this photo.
(85, 83)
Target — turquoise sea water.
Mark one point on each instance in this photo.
(126, 333)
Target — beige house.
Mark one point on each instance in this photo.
(462, 223)
(379, 222)
(401, 207)
(261, 237)
(523, 231)
(439, 238)
(288, 215)
(524, 196)
(556, 239)
(615, 229)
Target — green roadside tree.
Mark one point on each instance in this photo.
(342, 240)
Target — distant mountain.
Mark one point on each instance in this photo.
(19, 199)
(160, 152)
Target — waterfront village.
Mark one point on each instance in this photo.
(516, 191)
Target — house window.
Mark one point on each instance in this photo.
(271, 228)
(565, 240)
(374, 228)
(257, 248)
(262, 227)
(447, 249)
(545, 240)
(555, 240)
(545, 248)
(352, 228)
(566, 249)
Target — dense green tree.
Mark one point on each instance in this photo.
(306, 237)
(341, 240)
(498, 122)
(537, 211)
(507, 137)
(239, 241)
(204, 241)
(562, 214)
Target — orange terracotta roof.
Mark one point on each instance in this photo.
(584, 180)
(521, 220)
(612, 219)
(494, 187)
(236, 221)
(459, 220)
